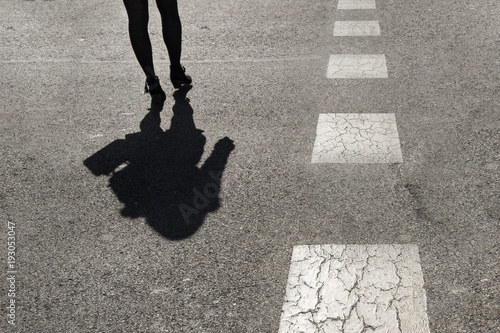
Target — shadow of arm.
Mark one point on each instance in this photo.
(106, 160)
(216, 162)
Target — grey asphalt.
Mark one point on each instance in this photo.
(70, 87)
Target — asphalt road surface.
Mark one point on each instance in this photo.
(119, 218)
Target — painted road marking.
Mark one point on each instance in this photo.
(356, 28)
(357, 138)
(356, 66)
(356, 4)
(355, 288)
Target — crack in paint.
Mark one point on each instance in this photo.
(349, 289)
(356, 4)
(357, 66)
(364, 138)
(356, 28)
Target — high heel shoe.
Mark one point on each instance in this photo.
(158, 96)
(178, 76)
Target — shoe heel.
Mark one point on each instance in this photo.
(178, 77)
(158, 96)
(178, 83)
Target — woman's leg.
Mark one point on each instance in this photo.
(138, 17)
(172, 35)
(172, 29)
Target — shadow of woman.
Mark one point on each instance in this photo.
(154, 173)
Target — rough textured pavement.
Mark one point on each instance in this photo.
(94, 255)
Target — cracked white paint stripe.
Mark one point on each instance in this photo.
(356, 28)
(357, 138)
(357, 66)
(354, 289)
(356, 4)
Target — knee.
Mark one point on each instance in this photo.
(167, 8)
(137, 11)
(138, 22)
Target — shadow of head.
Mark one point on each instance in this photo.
(155, 173)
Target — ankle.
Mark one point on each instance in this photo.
(152, 85)
(152, 80)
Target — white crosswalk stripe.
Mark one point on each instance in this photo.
(356, 4)
(357, 66)
(357, 138)
(356, 28)
(355, 288)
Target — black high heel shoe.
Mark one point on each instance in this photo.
(158, 96)
(178, 76)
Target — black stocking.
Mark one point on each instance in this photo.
(138, 18)
(137, 11)
(172, 29)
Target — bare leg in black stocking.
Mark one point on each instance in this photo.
(138, 18)
(138, 15)
(172, 35)
(172, 29)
